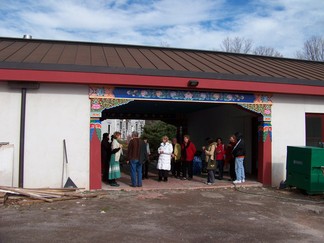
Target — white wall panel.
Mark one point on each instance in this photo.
(10, 102)
(288, 128)
(54, 113)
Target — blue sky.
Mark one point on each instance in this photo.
(197, 24)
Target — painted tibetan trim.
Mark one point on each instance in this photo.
(95, 126)
(99, 104)
(265, 131)
(177, 95)
(263, 109)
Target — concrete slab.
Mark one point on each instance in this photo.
(198, 182)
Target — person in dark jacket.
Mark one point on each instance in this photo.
(239, 155)
(134, 157)
(144, 158)
(105, 156)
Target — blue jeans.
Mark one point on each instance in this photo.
(239, 169)
(136, 171)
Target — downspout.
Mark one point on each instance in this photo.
(23, 86)
(22, 138)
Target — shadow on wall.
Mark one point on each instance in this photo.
(278, 172)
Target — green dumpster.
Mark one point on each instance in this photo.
(305, 168)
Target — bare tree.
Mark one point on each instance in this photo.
(266, 51)
(313, 49)
(236, 45)
(164, 44)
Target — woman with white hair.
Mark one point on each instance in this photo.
(164, 163)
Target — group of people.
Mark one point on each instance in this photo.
(110, 155)
(137, 156)
(177, 158)
(217, 155)
(174, 157)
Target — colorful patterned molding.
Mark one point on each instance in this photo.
(177, 95)
(109, 97)
(263, 109)
(265, 131)
(99, 104)
(95, 126)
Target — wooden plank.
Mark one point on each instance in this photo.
(45, 194)
(28, 194)
(3, 198)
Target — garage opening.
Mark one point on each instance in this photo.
(199, 120)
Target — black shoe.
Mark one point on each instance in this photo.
(160, 179)
(165, 179)
(190, 178)
(132, 186)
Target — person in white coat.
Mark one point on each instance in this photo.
(164, 163)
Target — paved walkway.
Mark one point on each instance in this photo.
(198, 182)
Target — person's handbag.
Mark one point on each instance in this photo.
(211, 165)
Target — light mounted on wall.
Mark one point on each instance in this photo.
(193, 83)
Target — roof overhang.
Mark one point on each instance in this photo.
(136, 79)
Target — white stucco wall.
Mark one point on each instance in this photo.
(53, 113)
(10, 102)
(289, 128)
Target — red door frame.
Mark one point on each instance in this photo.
(95, 155)
(265, 153)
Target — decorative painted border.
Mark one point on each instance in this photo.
(99, 104)
(177, 95)
(108, 97)
(95, 126)
(264, 131)
(263, 109)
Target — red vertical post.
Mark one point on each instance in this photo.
(264, 152)
(95, 154)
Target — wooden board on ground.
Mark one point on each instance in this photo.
(43, 194)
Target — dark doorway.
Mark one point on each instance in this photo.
(199, 119)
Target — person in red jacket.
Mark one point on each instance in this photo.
(188, 151)
(220, 152)
(229, 158)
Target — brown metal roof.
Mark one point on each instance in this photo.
(155, 61)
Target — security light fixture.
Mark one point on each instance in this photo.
(193, 83)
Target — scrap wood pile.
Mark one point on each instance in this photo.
(41, 194)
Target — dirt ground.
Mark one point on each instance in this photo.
(254, 214)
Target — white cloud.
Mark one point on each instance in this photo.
(198, 24)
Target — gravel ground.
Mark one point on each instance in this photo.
(245, 214)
